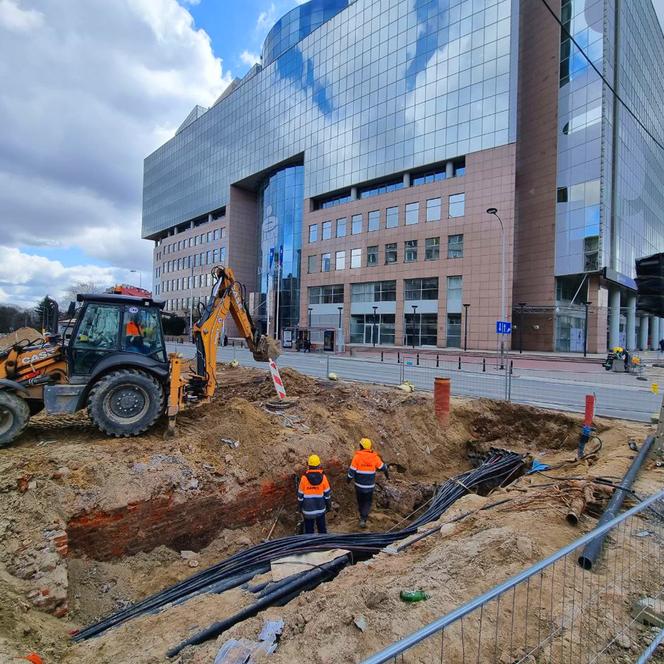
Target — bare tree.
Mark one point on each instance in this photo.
(82, 287)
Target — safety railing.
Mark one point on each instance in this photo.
(559, 611)
(479, 378)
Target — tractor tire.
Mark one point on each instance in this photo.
(14, 417)
(125, 403)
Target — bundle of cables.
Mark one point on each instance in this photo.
(499, 467)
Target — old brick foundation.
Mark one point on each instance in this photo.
(179, 520)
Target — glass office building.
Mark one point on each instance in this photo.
(374, 132)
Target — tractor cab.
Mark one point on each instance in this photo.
(115, 329)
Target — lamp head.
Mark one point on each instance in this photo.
(492, 211)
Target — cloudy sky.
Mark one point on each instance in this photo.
(89, 88)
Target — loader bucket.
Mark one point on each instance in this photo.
(267, 349)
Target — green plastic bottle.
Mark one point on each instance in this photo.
(413, 595)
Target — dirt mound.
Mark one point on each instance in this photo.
(22, 334)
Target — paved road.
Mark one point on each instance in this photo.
(628, 399)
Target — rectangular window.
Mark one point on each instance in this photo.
(372, 256)
(421, 289)
(326, 294)
(222, 255)
(433, 209)
(208, 257)
(454, 294)
(372, 328)
(454, 330)
(341, 227)
(392, 217)
(217, 234)
(325, 263)
(412, 213)
(455, 246)
(374, 291)
(223, 233)
(312, 264)
(327, 230)
(410, 251)
(209, 236)
(215, 255)
(432, 249)
(457, 205)
(377, 190)
(391, 253)
(340, 260)
(421, 329)
(356, 224)
(313, 233)
(356, 258)
(374, 220)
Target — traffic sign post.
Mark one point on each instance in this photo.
(503, 327)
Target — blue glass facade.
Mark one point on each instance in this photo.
(298, 24)
(280, 244)
(380, 88)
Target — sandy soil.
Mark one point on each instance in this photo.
(69, 469)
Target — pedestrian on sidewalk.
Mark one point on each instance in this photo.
(314, 496)
(362, 470)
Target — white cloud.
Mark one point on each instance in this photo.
(97, 87)
(250, 58)
(26, 278)
(16, 19)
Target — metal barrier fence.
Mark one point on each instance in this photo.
(616, 396)
(557, 611)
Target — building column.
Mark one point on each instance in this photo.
(353, 193)
(643, 333)
(654, 332)
(406, 180)
(449, 169)
(630, 337)
(614, 318)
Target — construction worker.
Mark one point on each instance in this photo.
(363, 469)
(315, 496)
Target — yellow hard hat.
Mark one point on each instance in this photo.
(365, 443)
(314, 460)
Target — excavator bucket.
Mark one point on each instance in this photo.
(267, 349)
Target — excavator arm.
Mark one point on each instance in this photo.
(227, 297)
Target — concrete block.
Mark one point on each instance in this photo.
(649, 611)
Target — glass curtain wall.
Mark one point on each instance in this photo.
(280, 246)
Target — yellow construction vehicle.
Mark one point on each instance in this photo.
(115, 362)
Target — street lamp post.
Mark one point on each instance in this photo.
(465, 326)
(414, 329)
(310, 310)
(503, 313)
(340, 309)
(373, 327)
(586, 304)
(521, 306)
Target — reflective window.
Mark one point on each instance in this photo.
(341, 227)
(313, 233)
(333, 294)
(340, 260)
(385, 188)
(455, 246)
(433, 209)
(327, 230)
(412, 213)
(410, 251)
(374, 291)
(457, 205)
(356, 258)
(392, 217)
(421, 329)
(374, 220)
(432, 249)
(372, 256)
(312, 264)
(421, 289)
(391, 252)
(356, 224)
(325, 263)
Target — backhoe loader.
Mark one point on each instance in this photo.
(115, 362)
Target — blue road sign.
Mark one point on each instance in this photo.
(503, 327)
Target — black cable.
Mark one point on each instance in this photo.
(599, 73)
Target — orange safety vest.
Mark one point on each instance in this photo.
(314, 493)
(132, 329)
(363, 469)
